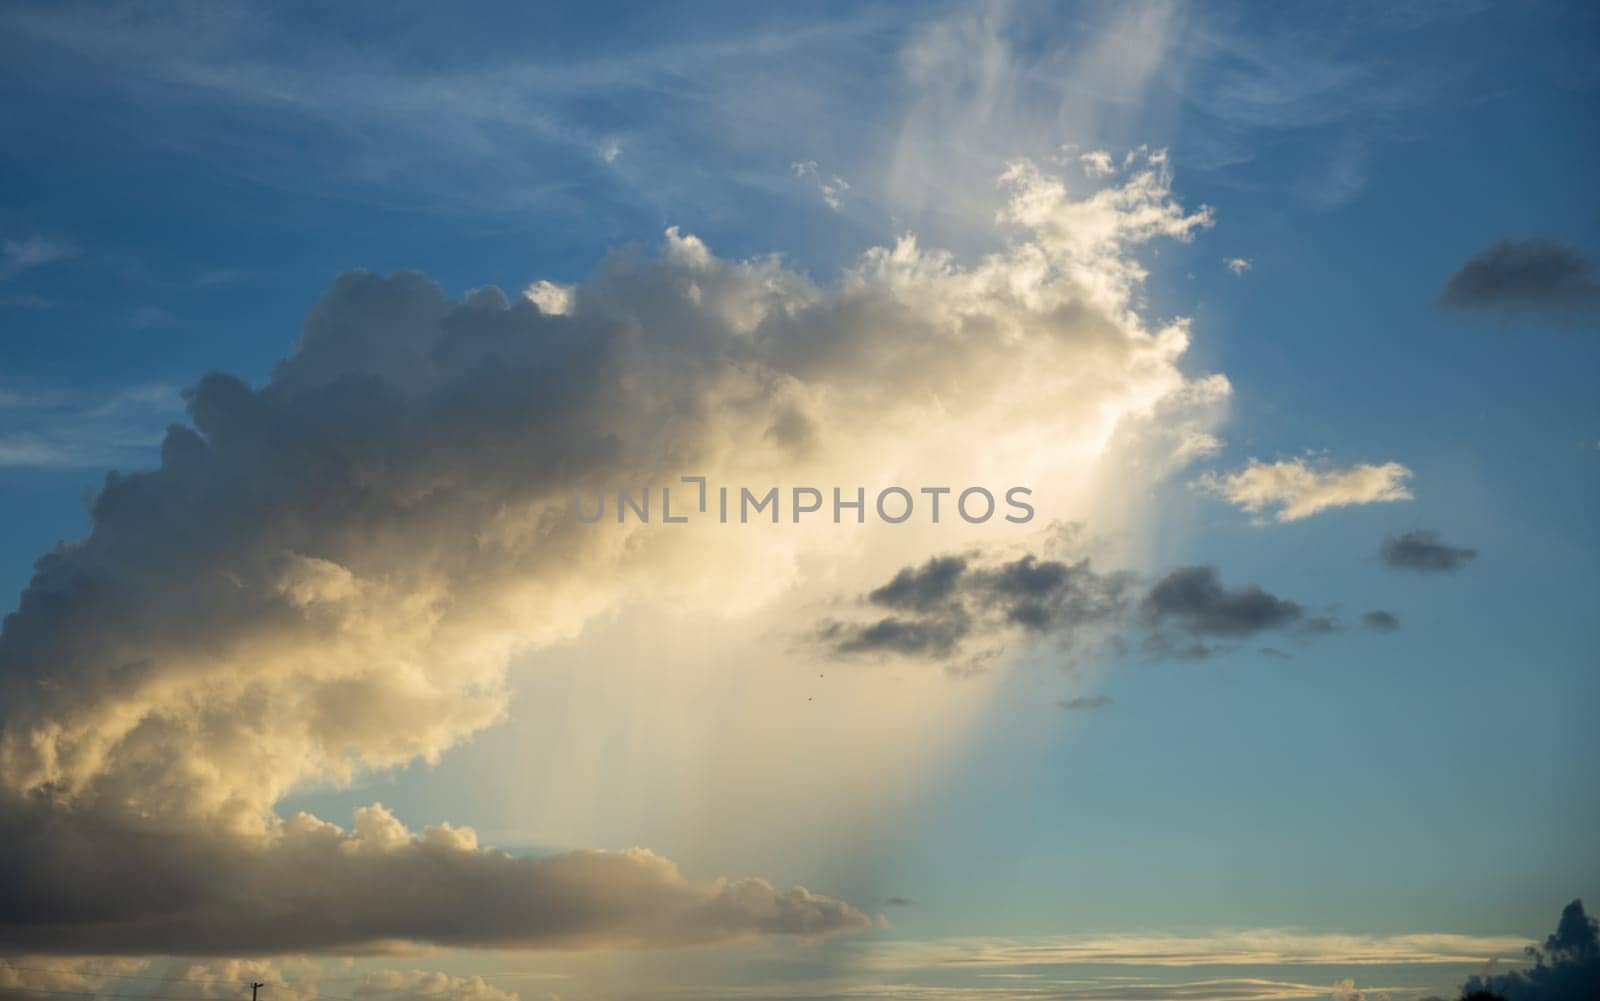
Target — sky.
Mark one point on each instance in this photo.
(314, 321)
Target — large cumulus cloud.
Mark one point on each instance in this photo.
(330, 572)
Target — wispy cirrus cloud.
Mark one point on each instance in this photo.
(1244, 947)
(72, 429)
(22, 254)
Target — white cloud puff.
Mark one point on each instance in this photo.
(1295, 489)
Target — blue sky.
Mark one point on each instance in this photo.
(185, 183)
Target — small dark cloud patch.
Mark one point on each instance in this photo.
(1380, 621)
(1194, 600)
(1525, 275)
(899, 902)
(1276, 654)
(1320, 625)
(1424, 552)
(1084, 702)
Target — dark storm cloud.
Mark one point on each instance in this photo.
(1194, 600)
(1532, 274)
(1381, 621)
(1424, 552)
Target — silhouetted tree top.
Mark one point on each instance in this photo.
(1567, 969)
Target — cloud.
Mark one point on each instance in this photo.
(937, 637)
(27, 977)
(425, 985)
(1424, 552)
(945, 601)
(1298, 489)
(1381, 621)
(1532, 275)
(329, 573)
(923, 588)
(1083, 702)
(17, 256)
(972, 607)
(551, 298)
(1238, 265)
(1097, 163)
(1224, 947)
(1195, 601)
(54, 428)
(312, 887)
(224, 979)
(832, 187)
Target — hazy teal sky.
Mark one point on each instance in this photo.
(182, 186)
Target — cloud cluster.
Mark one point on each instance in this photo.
(932, 610)
(329, 573)
(1295, 489)
(965, 609)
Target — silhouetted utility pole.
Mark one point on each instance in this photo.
(253, 988)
